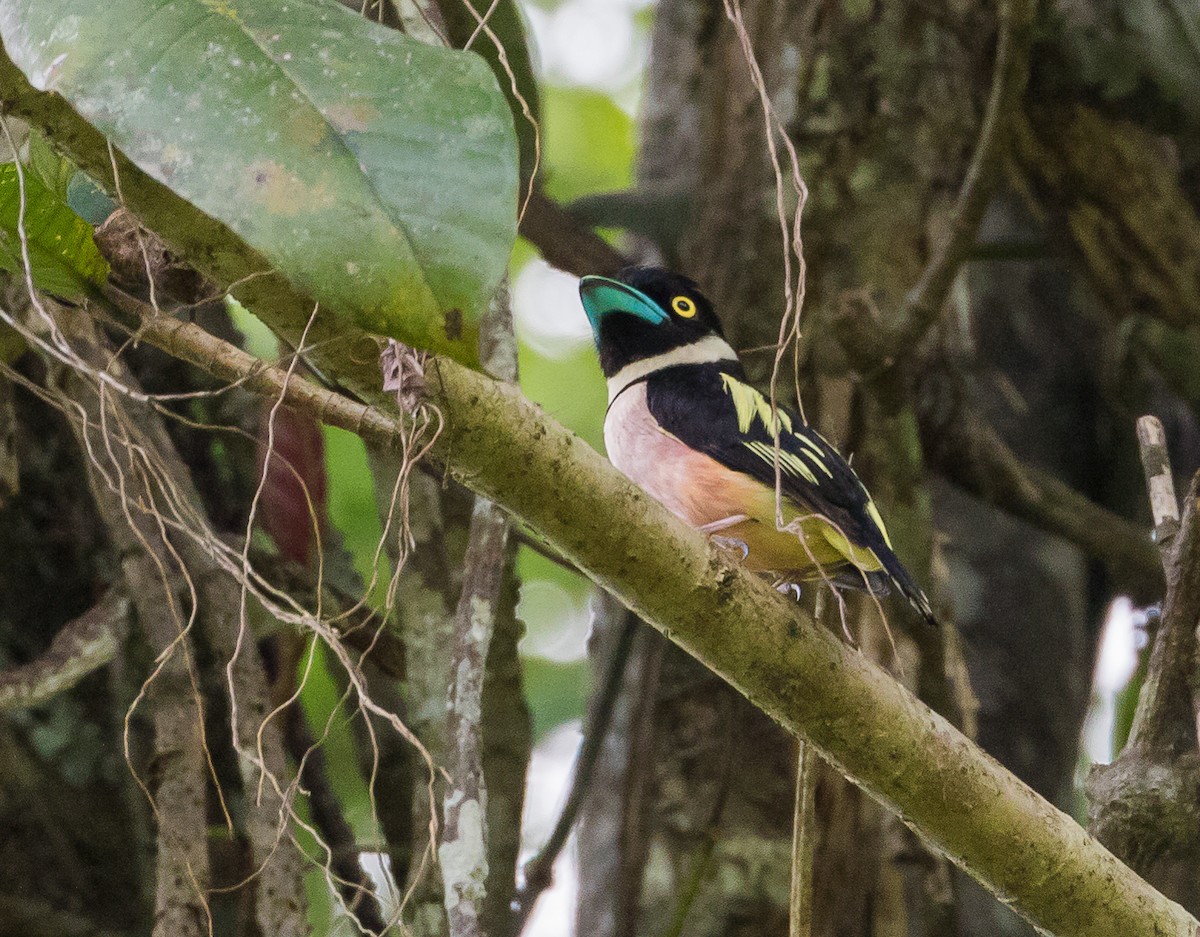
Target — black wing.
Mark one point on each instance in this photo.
(710, 408)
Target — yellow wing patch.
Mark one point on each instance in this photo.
(789, 462)
(873, 513)
(749, 405)
(812, 453)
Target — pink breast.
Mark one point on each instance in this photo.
(693, 486)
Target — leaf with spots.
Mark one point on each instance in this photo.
(377, 173)
(62, 256)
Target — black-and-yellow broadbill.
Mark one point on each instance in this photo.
(684, 424)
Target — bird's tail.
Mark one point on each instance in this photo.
(904, 582)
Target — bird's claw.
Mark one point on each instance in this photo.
(731, 544)
(789, 588)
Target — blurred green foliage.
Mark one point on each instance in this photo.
(587, 143)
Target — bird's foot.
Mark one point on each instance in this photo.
(732, 544)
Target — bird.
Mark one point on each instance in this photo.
(685, 425)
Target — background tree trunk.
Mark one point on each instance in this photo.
(884, 105)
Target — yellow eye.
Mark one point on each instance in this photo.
(683, 306)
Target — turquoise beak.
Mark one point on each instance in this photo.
(602, 296)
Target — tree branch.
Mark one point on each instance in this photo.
(81, 647)
(990, 823)
(1160, 483)
(1168, 675)
(960, 445)
(1011, 70)
(1146, 805)
(566, 242)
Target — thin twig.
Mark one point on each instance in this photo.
(804, 834)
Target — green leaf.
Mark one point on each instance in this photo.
(52, 168)
(63, 257)
(377, 173)
(513, 69)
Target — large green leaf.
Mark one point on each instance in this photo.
(62, 256)
(507, 54)
(377, 173)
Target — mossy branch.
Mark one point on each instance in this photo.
(940, 783)
(504, 447)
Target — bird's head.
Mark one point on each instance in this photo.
(646, 312)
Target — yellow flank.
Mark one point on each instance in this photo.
(749, 404)
(809, 547)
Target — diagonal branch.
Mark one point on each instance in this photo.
(990, 823)
(566, 242)
(964, 448)
(83, 645)
(505, 448)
